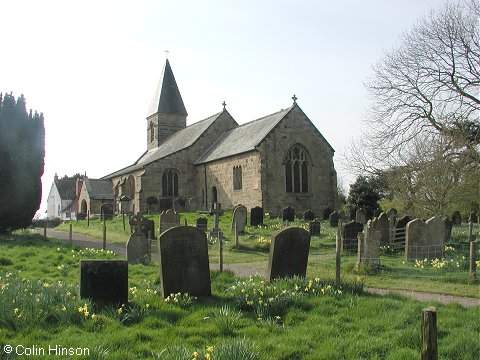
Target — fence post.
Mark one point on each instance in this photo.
(45, 228)
(104, 247)
(338, 248)
(429, 334)
(236, 233)
(70, 234)
(472, 250)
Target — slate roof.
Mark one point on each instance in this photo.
(99, 189)
(167, 98)
(179, 140)
(66, 188)
(243, 138)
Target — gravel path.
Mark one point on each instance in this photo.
(259, 268)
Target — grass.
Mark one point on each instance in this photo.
(254, 246)
(244, 319)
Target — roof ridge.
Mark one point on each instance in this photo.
(266, 116)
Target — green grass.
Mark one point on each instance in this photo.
(298, 323)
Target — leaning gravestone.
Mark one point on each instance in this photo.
(105, 282)
(333, 219)
(288, 253)
(138, 246)
(349, 235)
(416, 240)
(288, 214)
(168, 219)
(383, 225)
(309, 215)
(456, 218)
(435, 237)
(361, 216)
(239, 218)
(202, 224)
(256, 216)
(314, 228)
(183, 261)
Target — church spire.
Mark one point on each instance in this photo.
(167, 98)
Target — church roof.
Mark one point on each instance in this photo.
(179, 140)
(167, 98)
(99, 189)
(243, 138)
(66, 188)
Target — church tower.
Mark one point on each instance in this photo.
(167, 113)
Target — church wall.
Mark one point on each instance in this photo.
(220, 174)
(296, 128)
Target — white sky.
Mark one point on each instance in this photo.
(92, 66)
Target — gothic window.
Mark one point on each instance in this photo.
(237, 178)
(170, 183)
(296, 170)
(152, 131)
(130, 191)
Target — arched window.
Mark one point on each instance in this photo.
(152, 131)
(130, 190)
(237, 178)
(170, 183)
(296, 170)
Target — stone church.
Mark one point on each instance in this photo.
(276, 161)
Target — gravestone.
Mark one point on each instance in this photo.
(392, 212)
(256, 216)
(179, 204)
(288, 253)
(309, 215)
(314, 228)
(369, 245)
(473, 217)
(183, 262)
(352, 214)
(456, 218)
(448, 228)
(105, 282)
(192, 204)
(333, 219)
(138, 246)
(202, 224)
(361, 216)
(239, 217)
(288, 214)
(147, 225)
(168, 219)
(416, 240)
(403, 221)
(349, 235)
(383, 225)
(435, 238)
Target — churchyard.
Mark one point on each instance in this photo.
(224, 316)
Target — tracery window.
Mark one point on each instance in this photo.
(237, 178)
(296, 170)
(170, 183)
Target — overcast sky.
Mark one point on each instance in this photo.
(92, 66)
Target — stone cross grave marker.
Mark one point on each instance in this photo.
(361, 216)
(456, 218)
(105, 282)
(349, 235)
(314, 228)
(435, 237)
(239, 217)
(288, 214)
(168, 219)
(217, 211)
(183, 262)
(333, 219)
(202, 224)
(256, 216)
(288, 253)
(138, 246)
(416, 240)
(309, 215)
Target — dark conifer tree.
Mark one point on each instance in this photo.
(22, 151)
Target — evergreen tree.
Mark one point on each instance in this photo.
(364, 193)
(22, 152)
